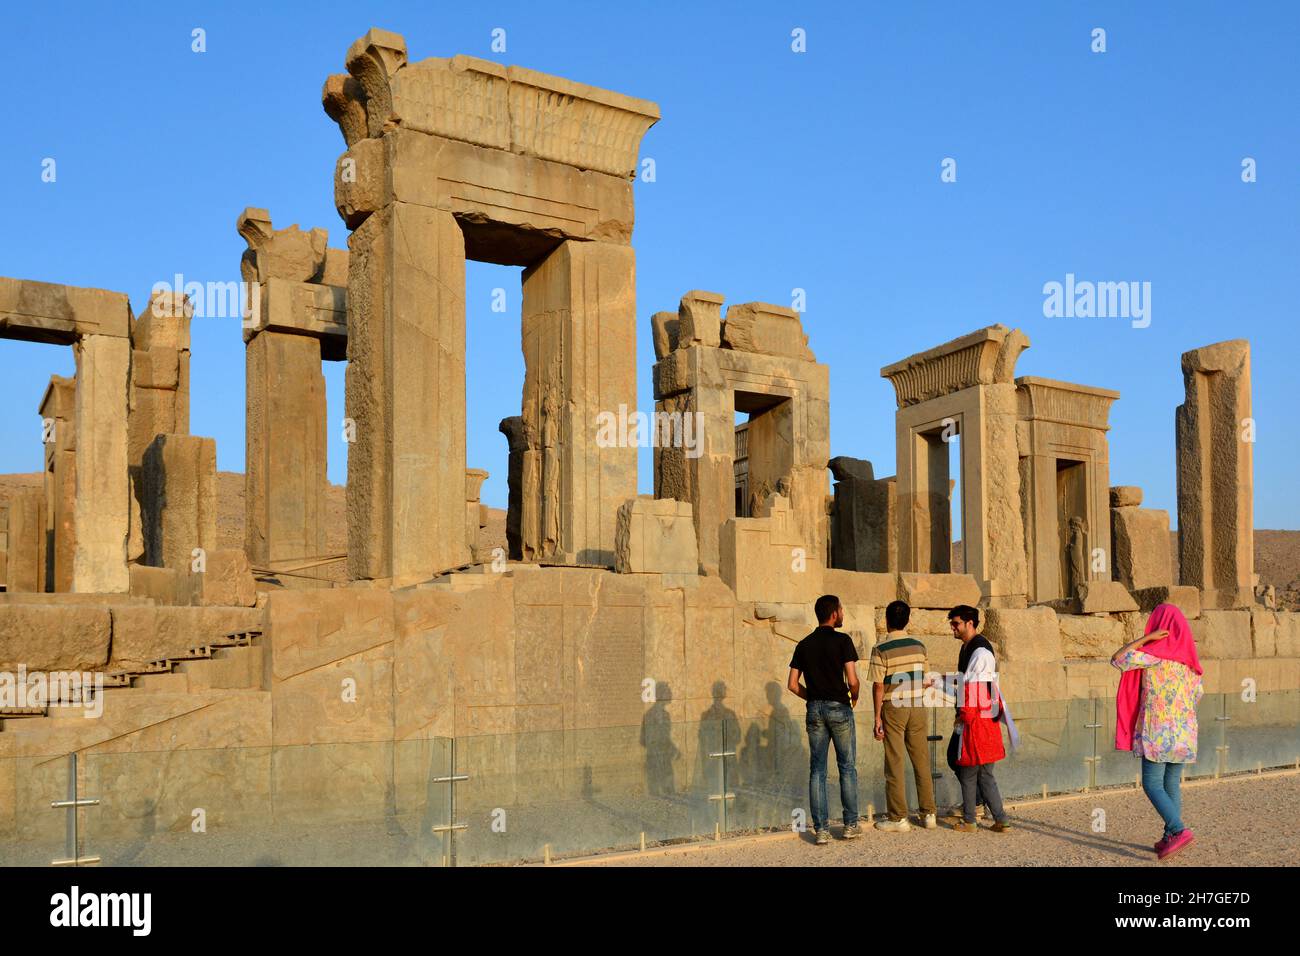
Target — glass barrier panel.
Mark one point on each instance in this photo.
(33, 833)
(1263, 730)
(1055, 742)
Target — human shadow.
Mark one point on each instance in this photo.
(773, 760)
(657, 742)
(718, 743)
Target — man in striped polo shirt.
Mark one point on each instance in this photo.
(897, 675)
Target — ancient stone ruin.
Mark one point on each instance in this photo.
(114, 566)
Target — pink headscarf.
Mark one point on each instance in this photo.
(1179, 646)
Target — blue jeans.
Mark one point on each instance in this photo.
(1161, 783)
(829, 721)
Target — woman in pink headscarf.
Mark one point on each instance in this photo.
(1155, 714)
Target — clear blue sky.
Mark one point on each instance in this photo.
(775, 170)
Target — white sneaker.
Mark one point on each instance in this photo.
(894, 826)
(930, 822)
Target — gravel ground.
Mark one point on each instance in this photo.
(1239, 821)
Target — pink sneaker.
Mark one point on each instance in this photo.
(1160, 844)
(1179, 841)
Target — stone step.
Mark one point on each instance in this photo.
(235, 668)
(229, 665)
(169, 683)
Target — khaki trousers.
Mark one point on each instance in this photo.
(906, 728)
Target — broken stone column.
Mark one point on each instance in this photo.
(58, 410)
(285, 452)
(579, 336)
(1139, 540)
(102, 512)
(178, 508)
(863, 532)
(474, 478)
(160, 374)
(297, 317)
(26, 537)
(1215, 441)
(516, 433)
(655, 536)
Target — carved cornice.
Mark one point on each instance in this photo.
(487, 104)
(984, 357)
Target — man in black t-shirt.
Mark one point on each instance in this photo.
(827, 661)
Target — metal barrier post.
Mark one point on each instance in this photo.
(1221, 751)
(71, 805)
(726, 794)
(1093, 760)
(451, 826)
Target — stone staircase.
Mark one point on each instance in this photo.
(229, 664)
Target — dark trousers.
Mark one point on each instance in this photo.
(978, 785)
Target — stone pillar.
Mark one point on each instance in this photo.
(102, 512)
(285, 451)
(4, 543)
(58, 409)
(863, 530)
(579, 331)
(406, 395)
(178, 509)
(474, 478)
(1215, 441)
(160, 373)
(25, 571)
(1005, 566)
(1140, 539)
(517, 437)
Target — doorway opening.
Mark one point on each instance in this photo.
(766, 438)
(1071, 524)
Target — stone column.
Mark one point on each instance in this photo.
(406, 395)
(102, 512)
(285, 451)
(178, 508)
(579, 332)
(1215, 475)
(517, 436)
(1005, 577)
(1140, 539)
(26, 542)
(58, 408)
(863, 534)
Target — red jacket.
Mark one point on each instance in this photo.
(981, 734)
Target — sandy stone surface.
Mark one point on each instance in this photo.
(1241, 821)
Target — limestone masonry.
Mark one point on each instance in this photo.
(701, 589)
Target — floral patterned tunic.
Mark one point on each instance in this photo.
(1164, 730)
